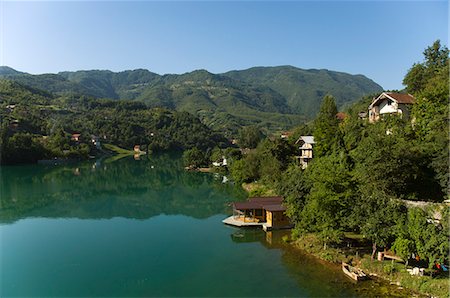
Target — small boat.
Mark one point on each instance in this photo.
(353, 272)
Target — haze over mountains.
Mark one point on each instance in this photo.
(274, 97)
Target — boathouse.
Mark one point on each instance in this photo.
(267, 212)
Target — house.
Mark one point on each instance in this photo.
(362, 115)
(390, 103)
(341, 116)
(306, 144)
(10, 108)
(14, 124)
(222, 163)
(137, 148)
(96, 142)
(285, 134)
(267, 212)
(76, 137)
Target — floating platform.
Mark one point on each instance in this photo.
(239, 222)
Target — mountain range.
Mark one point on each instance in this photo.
(271, 97)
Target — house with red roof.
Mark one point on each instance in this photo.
(389, 103)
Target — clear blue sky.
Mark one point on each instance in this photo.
(379, 39)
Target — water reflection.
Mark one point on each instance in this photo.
(97, 189)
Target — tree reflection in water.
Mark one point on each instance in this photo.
(126, 187)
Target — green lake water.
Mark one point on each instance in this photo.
(142, 228)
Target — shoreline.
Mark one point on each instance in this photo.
(375, 269)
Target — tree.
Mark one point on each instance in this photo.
(330, 198)
(294, 186)
(436, 59)
(249, 137)
(194, 158)
(375, 215)
(326, 127)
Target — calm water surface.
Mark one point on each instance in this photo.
(142, 228)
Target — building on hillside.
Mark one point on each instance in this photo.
(76, 137)
(362, 115)
(96, 142)
(390, 103)
(306, 144)
(220, 163)
(341, 116)
(285, 134)
(268, 212)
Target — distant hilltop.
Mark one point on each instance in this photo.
(252, 96)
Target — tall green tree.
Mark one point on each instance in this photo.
(249, 137)
(326, 127)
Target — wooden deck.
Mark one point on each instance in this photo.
(239, 222)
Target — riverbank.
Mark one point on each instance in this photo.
(393, 272)
(357, 250)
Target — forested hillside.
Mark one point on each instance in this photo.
(274, 98)
(362, 173)
(304, 89)
(37, 124)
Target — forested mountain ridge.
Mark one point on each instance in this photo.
(270, 97)
(304, 89)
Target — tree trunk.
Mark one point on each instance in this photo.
(374, 250)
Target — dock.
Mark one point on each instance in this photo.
(239, 222)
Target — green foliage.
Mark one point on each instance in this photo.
(326, 127)
(376, 216)
(330, 198)
(303, 89)
(194, 158)
(275, 98)
(246, 169)
(121, 123)
(21, 148)
(426, 238)
(249, 137)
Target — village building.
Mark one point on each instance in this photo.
(96, 142)
(341, 116)
(220, 163)
(306, 144)
(76, 137)
(267, 212)
(285, 134)
(389, 103)
(137, 148)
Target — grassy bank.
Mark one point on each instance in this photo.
(359, 255)
(256, 189)
(117, 150)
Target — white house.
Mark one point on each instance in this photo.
(390, 103)
(306, 150)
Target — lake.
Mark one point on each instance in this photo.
(142, 228)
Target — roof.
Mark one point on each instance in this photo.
(402, 98)
(275, 203)
(274, 208)
(247, 205)
(306, 140)
(398, 97)
(341, 115)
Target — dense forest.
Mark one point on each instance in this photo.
(39, 125)
(273, 98)
(363, 173)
